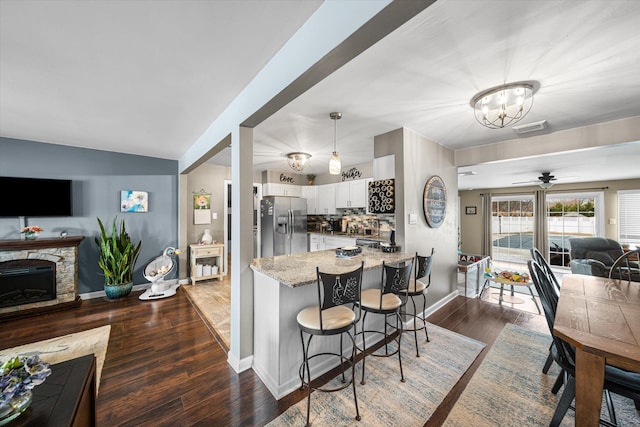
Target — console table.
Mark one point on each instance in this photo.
(213, 252)
(66, 398)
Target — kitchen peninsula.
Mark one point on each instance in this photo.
(282, 286)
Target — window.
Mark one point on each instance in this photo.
(629, 217)
(571, 215)
(512, 227)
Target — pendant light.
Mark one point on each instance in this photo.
(335, 165)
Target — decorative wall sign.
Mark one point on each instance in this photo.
(434, 201)
(287, 178)
(201, 207)
(134, 201)
(382, 196)
(352, 173)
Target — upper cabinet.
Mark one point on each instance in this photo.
(351, 194)
(310, 192)
(277, 189)
(326, 199)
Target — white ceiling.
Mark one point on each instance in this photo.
(149, 77)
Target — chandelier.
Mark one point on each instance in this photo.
(503, 105)
(335, 165)
(298, 161)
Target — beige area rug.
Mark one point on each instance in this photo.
(66, 347)
(212, 298)
(509, 388)
(384, 400)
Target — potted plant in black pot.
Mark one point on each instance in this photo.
(118, 255)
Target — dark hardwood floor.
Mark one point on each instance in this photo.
(164, 368)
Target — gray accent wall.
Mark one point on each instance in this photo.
(98, 177)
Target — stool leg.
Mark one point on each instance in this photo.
(341, 352)
(364, 348)
(398, 320)
(353, 373)
(304, 362)
(424, 321)
(415, 326)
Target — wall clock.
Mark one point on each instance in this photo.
(434, 201)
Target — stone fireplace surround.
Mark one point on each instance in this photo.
(64, 253)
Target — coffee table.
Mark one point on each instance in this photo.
(512, 298)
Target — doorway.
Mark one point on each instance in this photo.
(257, 196)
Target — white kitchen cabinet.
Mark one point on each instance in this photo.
(351, 194)
(316, 243)
(326, 199)
(277, 189)
(310, 192)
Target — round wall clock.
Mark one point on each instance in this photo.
(434, 201)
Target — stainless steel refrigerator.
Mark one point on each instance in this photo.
(283, 225)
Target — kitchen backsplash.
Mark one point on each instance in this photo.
(355, 221)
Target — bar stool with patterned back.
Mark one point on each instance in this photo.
(332, 316)
(417, 288)
(387, 300)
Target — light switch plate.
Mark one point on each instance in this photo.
(413, 219)
(214, 215)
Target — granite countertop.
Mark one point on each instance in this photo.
(300, 269)
(345, 234)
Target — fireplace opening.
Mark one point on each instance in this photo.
(26, 282)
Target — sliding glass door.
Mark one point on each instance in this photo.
(512, 227)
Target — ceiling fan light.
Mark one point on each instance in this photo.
(335, 165)
(546, 185)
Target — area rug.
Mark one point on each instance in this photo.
(66, 347)
(384, 400)
(510, 389)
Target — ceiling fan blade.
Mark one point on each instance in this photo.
(534, 181)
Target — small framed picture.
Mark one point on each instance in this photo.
(470, 210)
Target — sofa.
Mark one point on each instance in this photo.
(593, 256)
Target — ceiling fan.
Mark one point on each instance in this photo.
(544, 180)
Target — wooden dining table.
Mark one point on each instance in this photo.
(601, 318)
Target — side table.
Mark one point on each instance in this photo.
(502, 282)
(214, 252)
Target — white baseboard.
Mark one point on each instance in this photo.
(100, 294)
(239, 365)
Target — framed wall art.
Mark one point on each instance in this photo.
(470, 210)
(434, 201)
(134, 201)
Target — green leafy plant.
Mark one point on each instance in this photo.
(118, 254)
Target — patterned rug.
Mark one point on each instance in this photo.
(510, 389)
(59, 349)
(384, 400)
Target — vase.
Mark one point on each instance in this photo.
(118, 291)
(207, 238)
(30, 236)
(16, 406)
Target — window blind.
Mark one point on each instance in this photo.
(629, 216)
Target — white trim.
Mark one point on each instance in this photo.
(100, 294)
(239, 365)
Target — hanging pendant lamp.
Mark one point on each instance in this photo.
(335, 165)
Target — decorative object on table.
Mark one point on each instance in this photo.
(206, 238)
(504, 105)
(201, 207)
(298, 161)
(156, 271)
(117, 258)
(470, 210)
(18, 376)
(506, 275)
(310, 178)
(348, 251)
(335, 164)
(434, 203)
(381, 196)
(134, 201)
(31, 232)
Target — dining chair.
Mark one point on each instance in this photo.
(419, 287)
(616, 380)
(388, 300)
(625, 267)
(337, 313)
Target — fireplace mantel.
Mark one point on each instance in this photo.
(63, 252)
(20, 244)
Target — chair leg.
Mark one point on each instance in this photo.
(548, 363)
(565, 401)
(534, 300)
(341, 353)
(610, 408)
(559, 382)
(306, 362)
(353, 372)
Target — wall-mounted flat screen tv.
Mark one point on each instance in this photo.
(35, 197)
